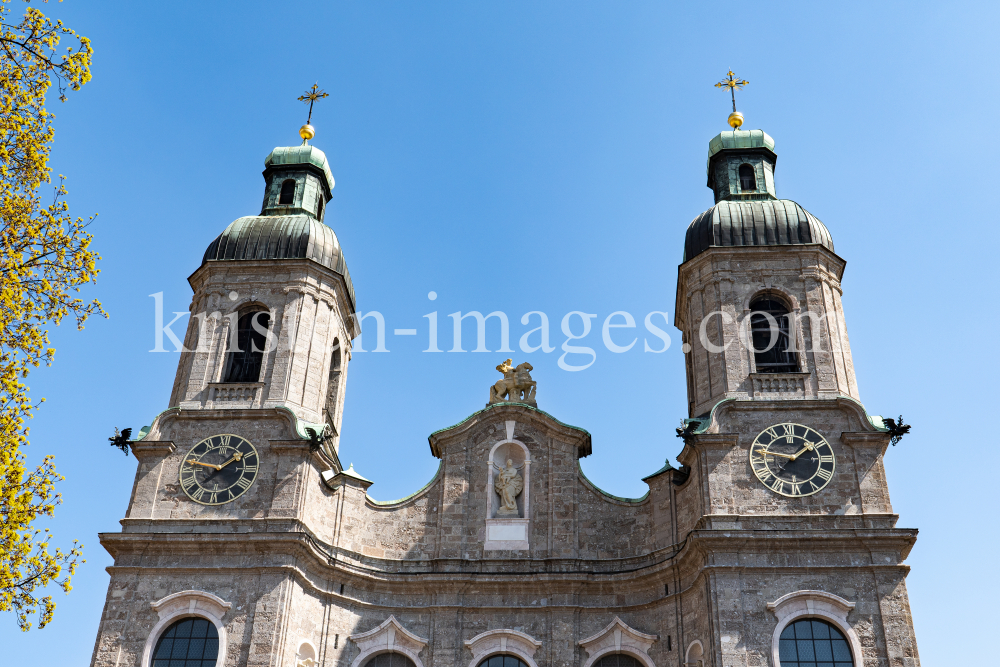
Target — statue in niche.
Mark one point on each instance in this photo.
(516, 385)
(508, 485)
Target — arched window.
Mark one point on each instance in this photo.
(333, 384)
(748, 180)
(319, 209)
(814, 643)
(618, 660)
(503, 661)
(244, 362)
(190, 642)
(287, 192)
(769, 326)
(390, 660)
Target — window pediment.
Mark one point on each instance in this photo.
(618, 637)
(389, 636)
(511, 642)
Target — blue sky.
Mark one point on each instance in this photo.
(543, 156)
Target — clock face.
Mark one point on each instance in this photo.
(219, 469)
(792, 460)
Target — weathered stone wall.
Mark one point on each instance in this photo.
(309, 312)
(732, 488)
(726, 279)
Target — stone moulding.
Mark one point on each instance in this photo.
(182, 605)
(389, 637)
(618, 637)
(152, 449)
(493, 642)
(814, 604)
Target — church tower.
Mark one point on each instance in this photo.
(272, 314)
(785, 465)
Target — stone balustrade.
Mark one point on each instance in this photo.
(221, 395)
(784, 385)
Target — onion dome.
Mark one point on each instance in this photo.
(298, 184)
(754, 223)
(747, 211)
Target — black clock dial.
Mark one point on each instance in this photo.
(219, 469)
(792, 460)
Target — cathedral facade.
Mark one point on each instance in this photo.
(246, 542)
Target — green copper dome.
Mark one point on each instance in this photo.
(736, 139)
(284, 156)
(754, 223)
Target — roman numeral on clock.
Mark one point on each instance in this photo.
(244, 483)
(824, 474)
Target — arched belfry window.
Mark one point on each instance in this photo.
(503, 661)
(618, 660)
(333, 383)
(287, 192)
(390, 660)
(748, 180)
(815, 643)
(244, 361)
(769, 329)
(190, 642)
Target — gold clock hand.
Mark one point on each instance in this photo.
(787, 456)
(236, 457)
(207, 465)
(799, 453)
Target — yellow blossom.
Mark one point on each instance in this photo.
(44, 260)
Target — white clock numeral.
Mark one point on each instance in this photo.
(823, 458)
(243, 483)
(796, 489)
(251, 469)
(789, 429)
(198, 493)
(187, 482)
(824, 474)
(212, 497)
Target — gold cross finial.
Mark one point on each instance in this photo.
(307, 131)
(733, 84)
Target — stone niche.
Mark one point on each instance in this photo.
(508, 505)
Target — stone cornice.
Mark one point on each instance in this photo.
(152, 449)
(726, 549)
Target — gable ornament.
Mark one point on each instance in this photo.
(516, 385)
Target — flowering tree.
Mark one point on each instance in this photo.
(45, 258)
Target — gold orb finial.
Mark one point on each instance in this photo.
(307, 131)
(735, 120)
